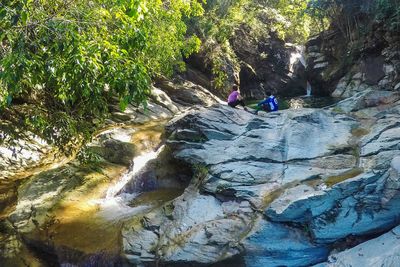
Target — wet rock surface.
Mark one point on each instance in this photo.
(49, 201)
(278, 189)
(300, 182)
(382, 251)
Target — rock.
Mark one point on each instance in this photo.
(342, 210)
(161, 98)
(321, 65)
(37, 196)
(201, 230)
(340, 88)
(18, 155)
(194, 228)
(341, 188)
(359, 212)
(313, 49)
(382, 251)
(118, 152)
(384, 136)
(278, 245)
(320, 60)
(261, 154)
(294, 205)
(395, 164)
(186, 93)
(367, 99)
(372, 66)
(358, 205)
(380, 98)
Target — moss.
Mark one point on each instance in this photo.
(313, 181)
(269, 198)
(335, 179)
(200, 174)
(338, 110)
(359, 132)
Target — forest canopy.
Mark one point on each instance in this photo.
(74, 56)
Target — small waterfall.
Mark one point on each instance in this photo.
(138, 163)
(309, 89)
(296, 56)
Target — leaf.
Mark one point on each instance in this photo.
(24, 17)
(9, 100)
(2, 36)
(3, 13)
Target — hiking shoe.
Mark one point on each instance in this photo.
(245, 108)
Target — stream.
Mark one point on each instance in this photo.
(84, 226)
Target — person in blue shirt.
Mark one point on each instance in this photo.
(269, 104)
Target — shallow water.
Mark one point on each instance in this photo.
(300, 102)
(84, 227)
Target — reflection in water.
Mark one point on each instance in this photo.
(310, 102)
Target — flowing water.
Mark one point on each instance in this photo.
(84, 227)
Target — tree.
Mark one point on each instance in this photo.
(76, 55)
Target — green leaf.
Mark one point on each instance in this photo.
(3, 13)
(24, 17)
(9, 100)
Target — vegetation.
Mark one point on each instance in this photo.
(288, 19)
(64, 62)
(71, 58)
(349, 16)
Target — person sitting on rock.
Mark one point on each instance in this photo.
(269, 104)
(235, 98)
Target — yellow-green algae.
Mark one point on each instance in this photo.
(335, 179)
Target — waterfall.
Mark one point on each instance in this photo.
(138, 164)
(115, 206)
(296, 56)
(309, 89)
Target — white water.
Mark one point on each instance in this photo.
(114, 206)
(138, 164)
(296, 56)
(309, 89)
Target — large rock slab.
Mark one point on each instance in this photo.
(201, 229)
(193, 228)
(298, 181)
(365, 204)
(249, 157)
(279, 245)
(383, 251)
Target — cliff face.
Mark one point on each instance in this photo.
(257, 59)
(342, 68)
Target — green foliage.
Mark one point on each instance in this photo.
(200, 173)
(292, 21)
(76, 56)
(87, 156)
(223, 18)
(348, 15)
(388, 10)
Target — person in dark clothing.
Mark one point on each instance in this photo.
(235, 98)
(269, 104)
